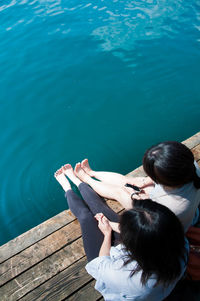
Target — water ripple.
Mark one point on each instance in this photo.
(5, 6)
(76, 76)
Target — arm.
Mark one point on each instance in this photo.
(106, 245)
(141, 182)
(114, 226)
(104, 226)
(120, 180)
(147, 182)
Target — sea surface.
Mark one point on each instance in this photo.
(102, 80)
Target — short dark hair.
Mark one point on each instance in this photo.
(170, 163)
(153, 237)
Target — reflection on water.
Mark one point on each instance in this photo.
(100, 79)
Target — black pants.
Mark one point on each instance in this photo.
(85, 210)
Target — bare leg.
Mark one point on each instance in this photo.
(104, 176)
(62, 180)
(109, 191)
(115, 178)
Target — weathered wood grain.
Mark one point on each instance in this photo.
(35, 234)
(114, 205)
(43, 271)
(37, 252)
(138, 172)
(62, 285)
(42, 249)
(86, 293)
(192, 141)
(196, 152)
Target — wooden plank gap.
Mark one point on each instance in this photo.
(38, 252)
(81, 288)
(35, 276)
(86, 293)
(27, 239)
(62, 284)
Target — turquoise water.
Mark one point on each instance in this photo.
(101, 79)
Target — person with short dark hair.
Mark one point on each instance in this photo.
(151, 256)
(173, 180)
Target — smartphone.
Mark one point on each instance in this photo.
(136, 188)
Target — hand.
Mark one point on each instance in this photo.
(114, 226)
(141, 196)
(103, 224)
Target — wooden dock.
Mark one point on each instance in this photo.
(48, 261)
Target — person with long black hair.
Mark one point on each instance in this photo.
(176, 175)
(173, 180)
(151, 256)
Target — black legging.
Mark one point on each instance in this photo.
(85, 210)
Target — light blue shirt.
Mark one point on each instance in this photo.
(113, 279)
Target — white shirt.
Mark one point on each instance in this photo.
(182, 201)
(114, 281)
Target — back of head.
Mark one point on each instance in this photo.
(170, 163)
(154, 237)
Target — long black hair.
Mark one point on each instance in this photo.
(153, 237)
(171, 163)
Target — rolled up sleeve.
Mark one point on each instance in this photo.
(98, 266)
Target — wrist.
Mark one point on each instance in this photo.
(108, 234)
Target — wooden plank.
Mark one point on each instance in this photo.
(35, 234)
(86, 293)
(38, 274)
(62, 285)
(138, 172)
(196, 152)
(114, 205)
(192, 141)
(37, 252)
(45, 247)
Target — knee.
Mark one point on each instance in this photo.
(86, 216)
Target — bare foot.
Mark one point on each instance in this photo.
(62, 180)
(80, 173)
(68, 171)
(86, 167)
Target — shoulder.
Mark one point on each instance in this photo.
(105, 264)
(197, 168)
(111, 267)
